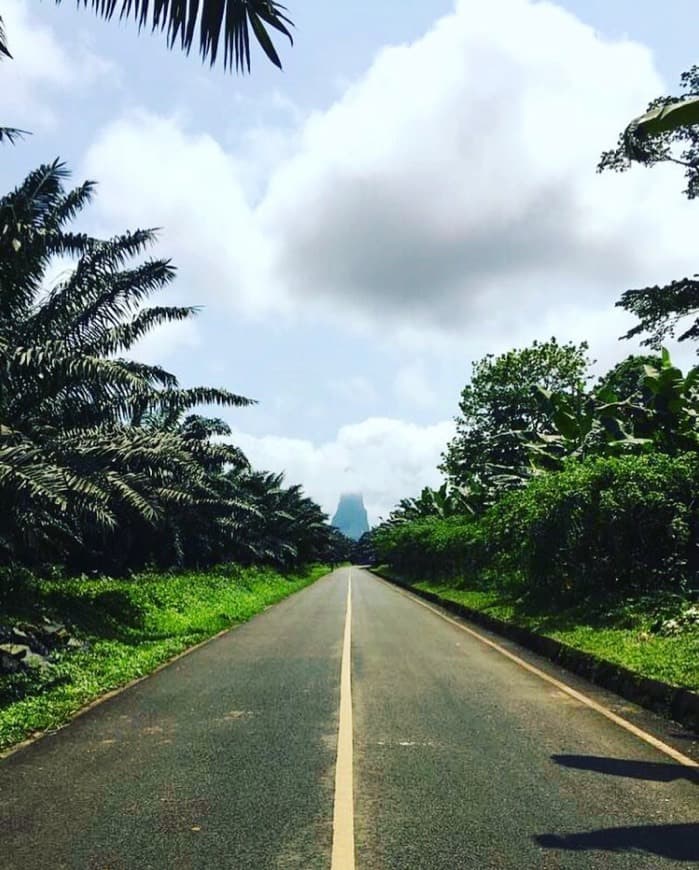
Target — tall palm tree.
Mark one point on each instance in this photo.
(286, 528)
(102, 463)
(79, 459)
(222, 24)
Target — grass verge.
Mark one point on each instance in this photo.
(629, 632)
(129, 628)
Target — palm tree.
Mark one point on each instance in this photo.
(103, 465)
(286, 528)
(80, 458)
(222, 24)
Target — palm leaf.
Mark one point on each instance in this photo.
(11, 134)
(4, 51)
(220, 22)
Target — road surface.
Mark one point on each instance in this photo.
(454, 757)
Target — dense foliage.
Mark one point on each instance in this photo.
(447, 501)
(487, 453)
(607, 479)
(103, 464)
(602, 526)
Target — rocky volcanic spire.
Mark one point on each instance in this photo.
(350, 517)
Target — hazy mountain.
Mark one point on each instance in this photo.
(350, 517)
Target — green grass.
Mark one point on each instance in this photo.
(623, 632)
(131, 627)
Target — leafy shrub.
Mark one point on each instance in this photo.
(603, 526)
(432, 547)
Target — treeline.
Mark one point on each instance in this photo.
(558, 488)
(562, 489)
(104, 463)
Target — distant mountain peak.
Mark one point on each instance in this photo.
(351, 517)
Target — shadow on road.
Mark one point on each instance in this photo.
(657, 771)
(675, 842)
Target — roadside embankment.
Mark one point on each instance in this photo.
(69, 641)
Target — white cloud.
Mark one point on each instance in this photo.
(40, 67)
(355, 388)
(412, 385)
(384, 459)
(449, 193)
(454, 184)
(167, 341)
(152, 172)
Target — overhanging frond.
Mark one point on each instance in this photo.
(220, 23)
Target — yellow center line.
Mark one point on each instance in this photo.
(573, 693)
(343, 818)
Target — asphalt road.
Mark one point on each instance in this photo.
(462, 759)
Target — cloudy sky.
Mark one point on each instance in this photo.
(415, 190)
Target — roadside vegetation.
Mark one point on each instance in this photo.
(121, 492)
(115, 630)
(104, 462)
(654, 635)
(569, 508)
(569, 504)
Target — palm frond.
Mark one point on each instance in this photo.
(100, 462)
(4, 50)
(12, 134)
(224, 23)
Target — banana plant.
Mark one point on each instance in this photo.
(663, 414)
(670, 410)
(599, 426)
(663, 119)
(447, 501)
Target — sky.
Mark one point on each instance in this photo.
(414, 190)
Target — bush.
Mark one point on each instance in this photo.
(432, 547)
(603, 526)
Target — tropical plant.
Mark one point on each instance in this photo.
(664, 311)
(598, 426)
(102, 462)
(363, 551)
(643, 403)
(222, 24)
(667, 133)
(76, 461)
(487, 454)
(668, 410)
(667, 117)
(286, 527)
(599, 528)
(432, 547)
(340, 548)
(447, 501)
(625, 377)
